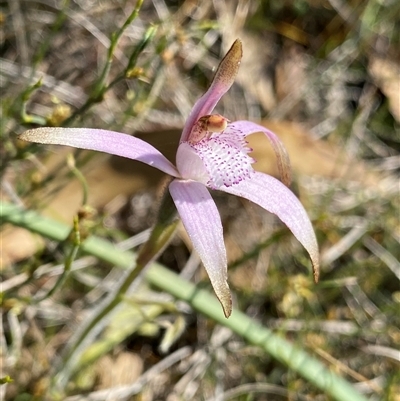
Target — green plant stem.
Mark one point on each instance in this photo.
(147, 37)
(116, 36)
(100, 87)
(76, 242)
(81, 178)
(55, 27)
(25, 96)
(292, 356)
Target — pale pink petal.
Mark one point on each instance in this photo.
(275, 197)
(111, 142)
(202, 222)
(282, 157)
(189, 164)
(223, 80)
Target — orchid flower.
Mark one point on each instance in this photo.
(212, 153)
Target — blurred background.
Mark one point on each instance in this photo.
(323, 74)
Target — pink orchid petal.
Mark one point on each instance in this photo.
(190, 165)
(223, 80)
(275, 197)
(282, 157)
(202, 222)
(111, 142)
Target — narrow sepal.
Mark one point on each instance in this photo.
(222, 81)
(115, 143)
(202, 222)
(275, 197)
